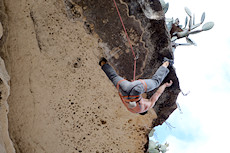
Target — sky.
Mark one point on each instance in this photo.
(202, 123)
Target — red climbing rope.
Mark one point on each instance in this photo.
(134, 71)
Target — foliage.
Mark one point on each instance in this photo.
(178, 31)
(156, 147)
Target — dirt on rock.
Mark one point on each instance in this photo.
(60, 100)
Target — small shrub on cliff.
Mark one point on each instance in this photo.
(156, 147)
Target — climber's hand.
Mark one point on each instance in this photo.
(168, 84)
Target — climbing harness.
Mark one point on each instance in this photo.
(135, 58)
(127, 99)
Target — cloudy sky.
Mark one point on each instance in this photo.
(203, 124)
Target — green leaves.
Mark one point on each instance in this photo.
(151, 133)
(179, 31)
(195, 32)
(190, 41)
(187, 10)
(202, 18)
(195, 26)
(186, 31)
(174, 38)
(208, 26)
(182, 33)
(186, 22)
(152, 145)
(155, 147)
(165, 6)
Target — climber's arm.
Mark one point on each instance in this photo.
(159, 91)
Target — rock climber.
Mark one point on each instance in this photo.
(131, 92)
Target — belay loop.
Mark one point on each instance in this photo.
(135, 58)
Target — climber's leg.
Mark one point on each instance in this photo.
(125, 86)
(136, 87)
(111, 74)
(157, 78)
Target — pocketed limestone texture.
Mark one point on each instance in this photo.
(149, 38)
(61, 101)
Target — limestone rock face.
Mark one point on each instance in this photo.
(61, 101)
(149, 38)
